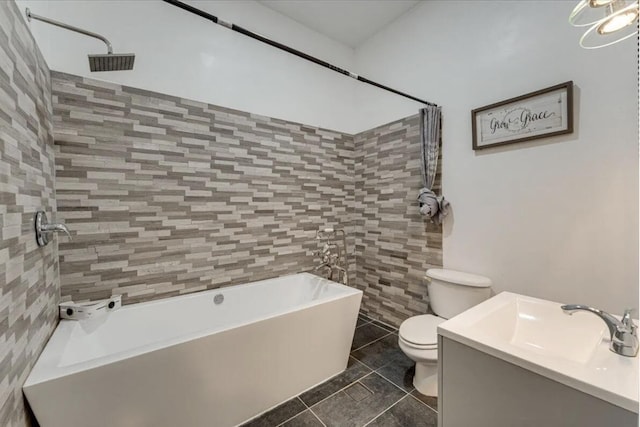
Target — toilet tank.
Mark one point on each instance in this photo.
(452, 292)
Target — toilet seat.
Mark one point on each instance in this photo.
(420, 347)
(421, 332)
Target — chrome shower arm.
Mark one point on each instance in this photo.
(69, 27)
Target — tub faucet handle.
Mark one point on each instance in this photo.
(58, 228)
(44, 229)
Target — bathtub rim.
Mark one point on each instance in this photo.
(46, 367)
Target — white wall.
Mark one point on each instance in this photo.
(555, 218)
(184, 55)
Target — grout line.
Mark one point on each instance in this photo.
(366, 388)
(352, 357)
(305, 405)
(396, 385)
(342, 389)
(374, 371)
(317, 417)
(290, 418)
(385, 325)
(371, 342)
(381, 413)
(356, 381)
(416, 398)
(371, 319)
(310, 410)
(364, 324)
(364, 364)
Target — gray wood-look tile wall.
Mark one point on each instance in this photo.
(166, 196)
(395, 245)
(29, 286)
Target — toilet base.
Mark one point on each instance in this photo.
(425, 379)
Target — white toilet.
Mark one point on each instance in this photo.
(450, 293)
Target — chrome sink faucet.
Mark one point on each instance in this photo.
(624, 337)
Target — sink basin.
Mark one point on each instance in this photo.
(536, 335)
(542, 328)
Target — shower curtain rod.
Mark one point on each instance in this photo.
(290, 50)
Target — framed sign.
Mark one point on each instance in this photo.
(538, 114)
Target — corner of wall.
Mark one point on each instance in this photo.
(29, 284)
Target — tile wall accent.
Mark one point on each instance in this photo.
(395, 245)
(29, 286)
(166, 196)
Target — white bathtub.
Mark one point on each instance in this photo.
(186, 361)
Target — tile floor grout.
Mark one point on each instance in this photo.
(420, 401)
(359, 381)
(317, 417)
(371, 342)
(342, 389)
(311, 410)
(308, 409)
(290, 418)
(374, 371)
(397, 386)
(380, 414)
(380, 374)
(371, 319)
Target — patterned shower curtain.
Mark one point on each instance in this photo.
(432, 206)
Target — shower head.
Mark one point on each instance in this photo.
(106, 62)
(112, 62)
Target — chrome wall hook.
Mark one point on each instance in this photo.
(44, 229)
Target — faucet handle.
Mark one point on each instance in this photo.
(628, 321)
(55, 228)
(43, 229)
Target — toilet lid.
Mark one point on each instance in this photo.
(421, 330)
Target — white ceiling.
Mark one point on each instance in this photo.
(348, 21)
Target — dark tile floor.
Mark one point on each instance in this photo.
(374, 390)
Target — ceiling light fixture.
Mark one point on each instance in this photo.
(600, 3)
(618, 20)
(610, 21)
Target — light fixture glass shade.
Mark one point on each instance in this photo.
(600, 3)
(618, 21)
(584, 14)
(615, 28)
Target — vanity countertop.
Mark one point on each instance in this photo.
(536, 335)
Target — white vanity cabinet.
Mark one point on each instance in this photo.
(480, 390)
(518, 361)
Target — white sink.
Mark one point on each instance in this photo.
(542, 328)
(536, 335)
